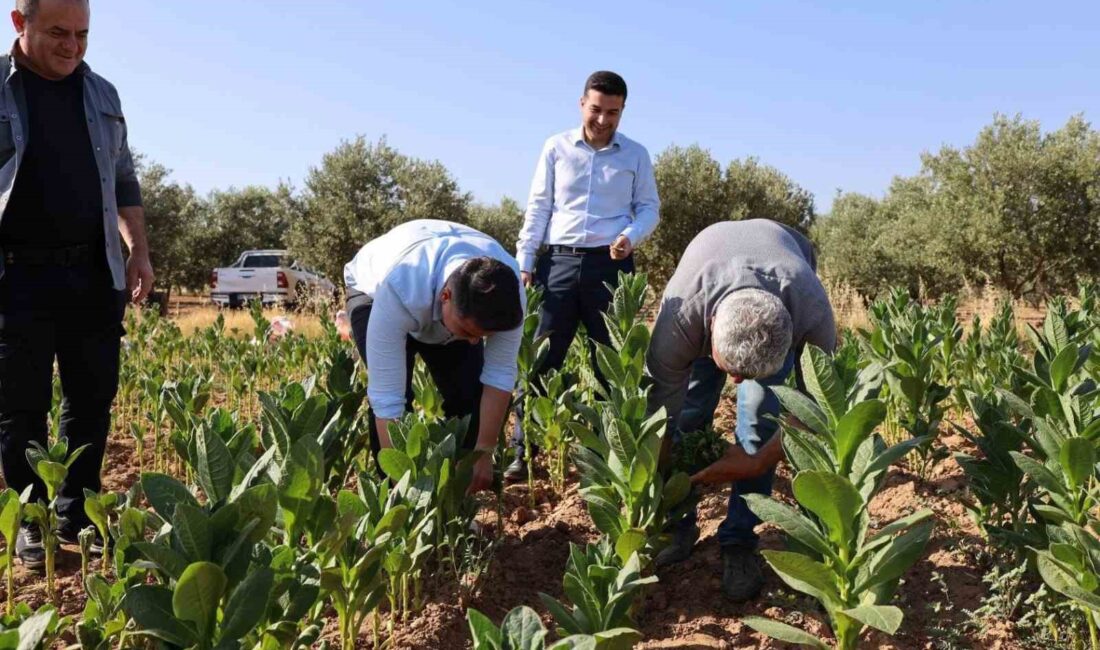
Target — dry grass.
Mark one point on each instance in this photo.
(984, 302)
(192, 319)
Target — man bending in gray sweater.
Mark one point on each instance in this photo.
(743, 302)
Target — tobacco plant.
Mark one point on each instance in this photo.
(619, 445)
(11, 516)
(602, 587)
(835, 557)
(522, 629)
(51, 465)
(906, 342)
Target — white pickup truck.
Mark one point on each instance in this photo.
(269, 276)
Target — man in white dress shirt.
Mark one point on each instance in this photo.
(452, 295)
(593, 200)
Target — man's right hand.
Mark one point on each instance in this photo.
(526, 278)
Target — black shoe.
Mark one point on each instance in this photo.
(69, 533)
(517, 471)
(680, 548)
(742, 573)
(29, 548)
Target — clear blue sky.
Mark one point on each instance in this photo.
(239, 92)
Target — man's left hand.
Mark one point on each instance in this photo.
(483, 473)
(139, 277)
(622, 248)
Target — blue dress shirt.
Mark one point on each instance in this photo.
(584, 197)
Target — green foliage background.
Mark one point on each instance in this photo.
(1018, 210)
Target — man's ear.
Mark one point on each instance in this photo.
(445, 295)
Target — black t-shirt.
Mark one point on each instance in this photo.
(57, 200)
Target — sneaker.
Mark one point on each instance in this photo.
(517, 471)
(680, 548)
(69, 533)
(742, 573)
(29, 548)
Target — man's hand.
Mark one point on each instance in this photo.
(139, 276)
(526, 277)
(483, 472)
(622, 248)
(737, 465)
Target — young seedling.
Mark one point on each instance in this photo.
(51, 466)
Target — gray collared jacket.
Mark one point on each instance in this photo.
(107, 128)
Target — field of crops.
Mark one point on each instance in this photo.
(943, 494)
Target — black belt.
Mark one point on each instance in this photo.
(576, 250)
(63, 256)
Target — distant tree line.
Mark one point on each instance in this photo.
(1018, 209)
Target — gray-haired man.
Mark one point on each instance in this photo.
(743, 302)
(68, 194)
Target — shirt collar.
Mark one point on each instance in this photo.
(16, 53)
(577, 136)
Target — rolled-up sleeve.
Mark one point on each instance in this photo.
(127, 187)
(501, 351)
(669, 360)
(645, 205)
(540, 205)
(387, 332)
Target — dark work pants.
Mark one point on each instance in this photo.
(574, 291)
(455, 367)
(73, 315)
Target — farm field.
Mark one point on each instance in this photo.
(958, 461)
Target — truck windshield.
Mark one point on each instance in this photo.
(262, 262)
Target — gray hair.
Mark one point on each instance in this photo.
(29, 8)
(751, 333)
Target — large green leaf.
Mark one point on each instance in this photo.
(522, 630)
(215, 465)
(248, 604)
(794, 523)
(197, 594)
(629, 542)
(33, 630)
(395, 464)
(1062, 581)
(833, 499)
(151, 608)
(262, 503)
(895, 558)
(803, 408)
(164, 493)
(823, 383)
(11, 513)
(881, 617)
(485, 635)
(1062, 368)
(1039, 473)
(191, 533)
(302, 480)
(171, 562)
(804, 574)
(1078, 460)
(854, 427)
(783, 632)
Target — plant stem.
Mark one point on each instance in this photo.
(1093, 639)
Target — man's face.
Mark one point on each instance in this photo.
(462, 328)
(54, 42)
(600, 115)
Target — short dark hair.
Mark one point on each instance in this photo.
(29, 8)
(606, 82)
(487, 290)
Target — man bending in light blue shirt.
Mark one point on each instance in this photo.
(593, 200)
(452, 295)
